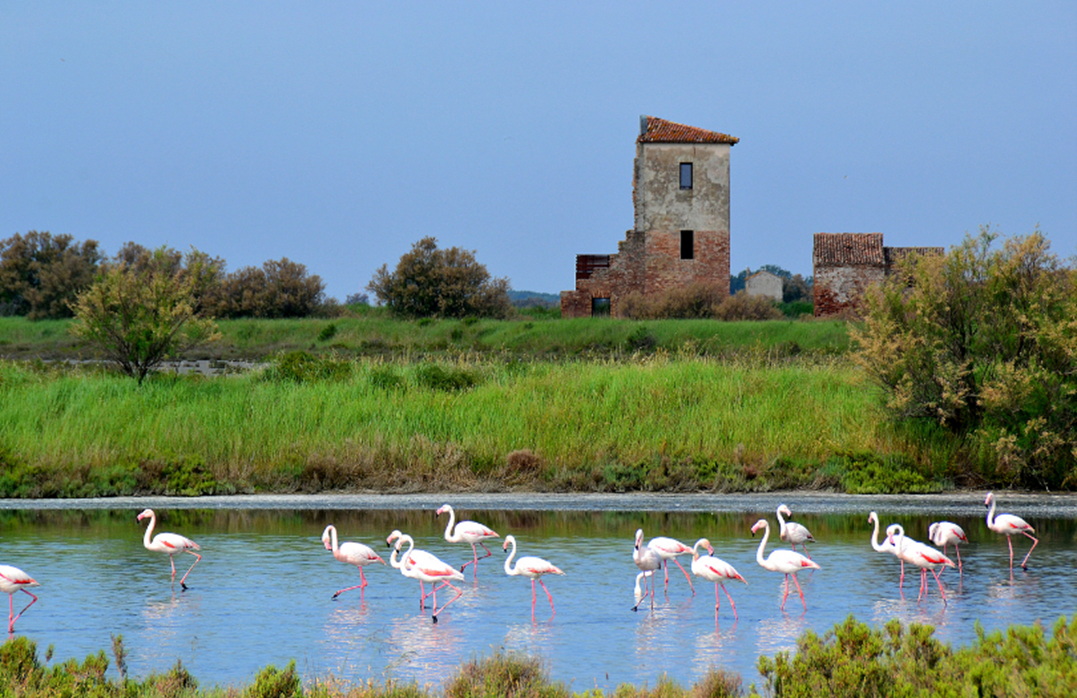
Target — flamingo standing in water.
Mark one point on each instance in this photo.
(1009, 525)
(945, 532)
(638, 591)
(170, 544)
(923, 556)
(785, 561)
(468, 532)
(531, 567)
(715, 570)
(668, 549)
(13, 579)
(416, 554)
(648, 562)
(428, 568)
(886, 546)
(792, 532)
(351, 553)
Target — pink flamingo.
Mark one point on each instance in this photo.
(468, 532)
(531, 567)
(351, 553)
(13, 579)
(648, 562)
(923, 556)
(886, 546)
(793, 532)
(170, 544)
(785, 561)
(668, 549)
(428, 568)
(1009, 525)
(416, 554)
(945, 532)
(715, 570)
(639, 592)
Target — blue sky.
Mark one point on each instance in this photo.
(338, 133)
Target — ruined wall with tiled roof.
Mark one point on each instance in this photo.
(845, 249)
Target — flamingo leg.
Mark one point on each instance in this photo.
(548, 595)
(11, 620)
(957, 549)
(940, 585)
(1035, 542)
(533, 595)
(173, 563)
(357, 586)
(730, 601)
(1009, 541)
(665, 566)
(717, 601)
(901, 583)
(801, 591)
(685, 576)
(459, 593)
(198, 558)
(476, 558)
(786, 595)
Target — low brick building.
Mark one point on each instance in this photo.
(680, 189)
(845, 264)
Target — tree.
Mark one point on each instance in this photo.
(429, 282)
(143, 313)
(278, 289)
(41, 274)
(983, 342)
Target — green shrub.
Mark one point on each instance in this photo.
(274, 683)
(503, 676)
(871, 473)
(436, 377)
(328, 332)
(302, 367)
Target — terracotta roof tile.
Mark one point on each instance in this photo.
(662, 131)
(844, 249)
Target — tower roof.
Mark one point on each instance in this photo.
(655, 130)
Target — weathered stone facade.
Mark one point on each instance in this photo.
(846, 264)
(681, 233)
(765, 284)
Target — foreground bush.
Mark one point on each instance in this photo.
(852, 660)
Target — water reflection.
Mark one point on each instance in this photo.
(245, 609)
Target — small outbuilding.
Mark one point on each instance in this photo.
(766, 284)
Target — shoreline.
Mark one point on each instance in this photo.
(957, 503)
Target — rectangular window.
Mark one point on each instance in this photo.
(600, 307)
(688, 244)
(686, 175)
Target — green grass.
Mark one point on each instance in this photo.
(655, 422)
(374, 333)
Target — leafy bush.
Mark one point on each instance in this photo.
(870, 473)
(274, 683)
(436, 377)
(278, 289)
(696, 300)
(303, 367)
(503, 675)
(984, 343)
(429, 282)
(741, 306)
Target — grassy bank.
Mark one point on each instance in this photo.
(653, 422)
(851, 660)
(373, 333)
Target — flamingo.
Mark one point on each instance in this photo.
(945, 532)
(428, 568)
(639, 592)
(668, 549)
(785, 561)
(715, 570)
(793, 532)
(532, 568)
(1009, 525)
(13, 579)
(468, 532)
(399, 565)
(647, 561)
(351, 553)
(169, 544)
(923, 556)
(886, 546)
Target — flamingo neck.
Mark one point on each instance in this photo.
(452, 522)
(333, 540)
(899, 537)
(875, 545)
(147, 539)
(781, 521)
(991, 515)
(509, 568)
(763, 544)
(405, 559)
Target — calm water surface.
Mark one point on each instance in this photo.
(262, 593)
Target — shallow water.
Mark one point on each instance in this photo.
(262, 593)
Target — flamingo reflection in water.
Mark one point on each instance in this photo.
(785, 561)
(350, 553)
(715, 570)
(923, 556)
(170, 544)
(648, 561)
(428, 568)
(13, 579)
(1009, 526)
(532, 568)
